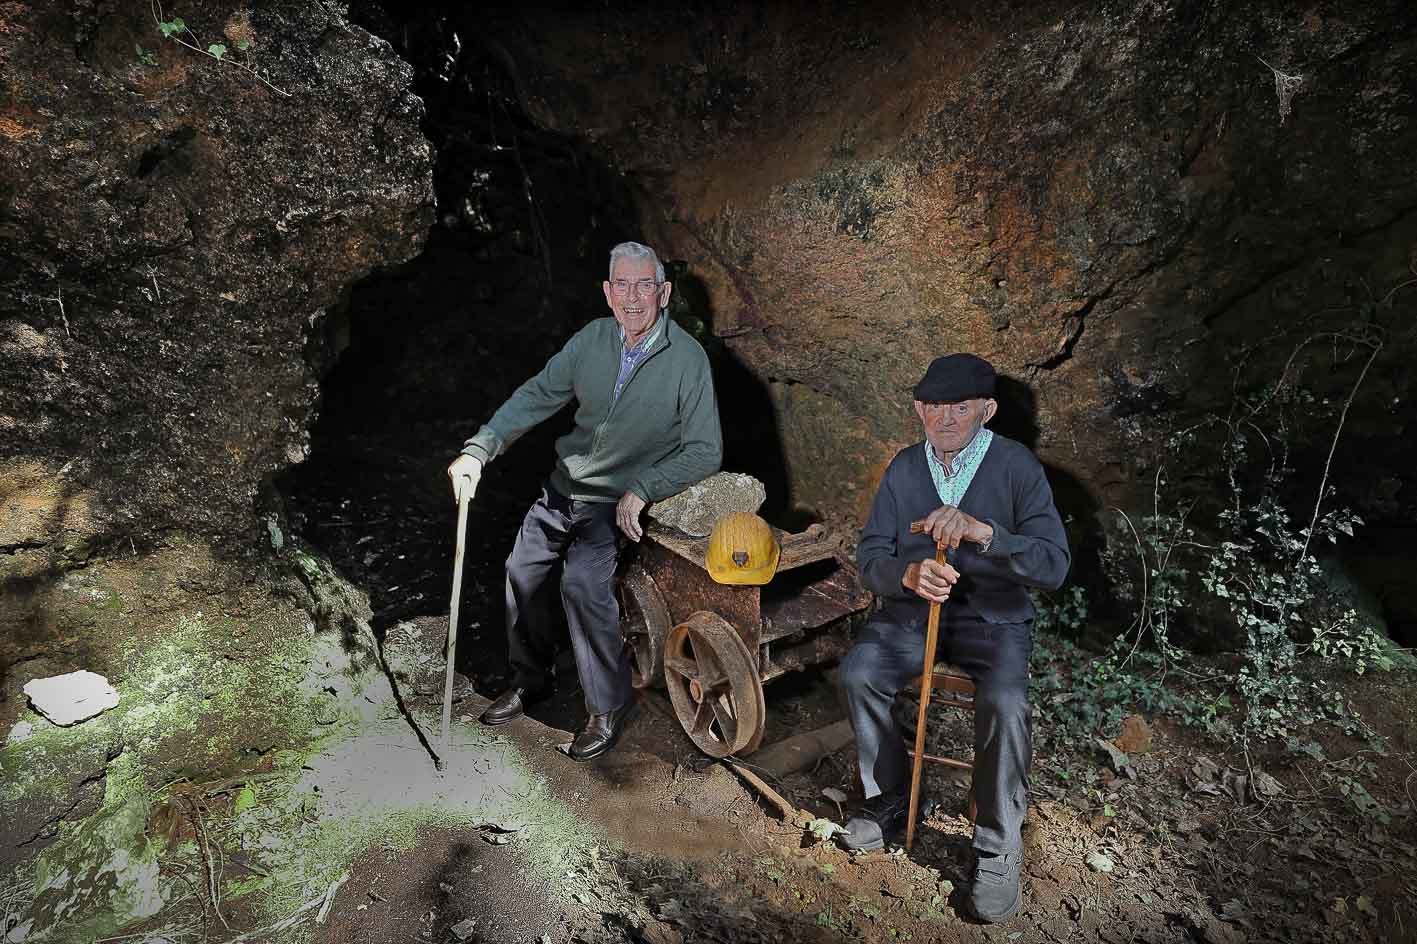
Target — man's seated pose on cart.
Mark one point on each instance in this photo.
(646, 427)
(985, 498)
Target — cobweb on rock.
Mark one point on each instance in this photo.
(1286, 86)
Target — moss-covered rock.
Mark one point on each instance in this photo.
(52, 774)
(101, 874)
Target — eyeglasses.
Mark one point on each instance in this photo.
(644, 287)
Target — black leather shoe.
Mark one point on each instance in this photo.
(513, 703)
(602, 731)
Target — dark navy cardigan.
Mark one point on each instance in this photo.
(1010, 492)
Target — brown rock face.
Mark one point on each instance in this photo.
(172, 228)
(1102, 199)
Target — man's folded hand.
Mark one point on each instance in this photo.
(930, 580)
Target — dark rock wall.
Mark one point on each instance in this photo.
(1102, 198)
(171, 229)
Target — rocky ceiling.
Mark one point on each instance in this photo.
(1103, 198)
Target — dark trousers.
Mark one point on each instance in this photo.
(886, 657)
(583, 534)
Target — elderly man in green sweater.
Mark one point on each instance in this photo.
(646, 427)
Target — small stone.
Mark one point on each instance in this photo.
(464, 929)
(1099, 862)
(71, 698)
(1205, 769)
(22, 731)
(1265, 786)
(1118, 759)
(696, 508)
(1135, 737)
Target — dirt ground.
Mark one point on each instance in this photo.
(513, 842)
(684, 851)
(1182, 846)
(1190, 840)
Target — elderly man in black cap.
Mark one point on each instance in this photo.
(985, 498)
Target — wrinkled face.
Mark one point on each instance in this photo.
(634, 297)
(951, 426)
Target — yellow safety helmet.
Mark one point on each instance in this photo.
(742, 550)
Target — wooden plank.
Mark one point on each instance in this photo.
(792, 657)
(692, 549)
(800, 751)
(808, 609)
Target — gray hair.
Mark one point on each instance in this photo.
(636, 251)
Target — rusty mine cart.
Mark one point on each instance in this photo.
(714, 646)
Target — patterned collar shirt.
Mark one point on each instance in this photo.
(631, 358)
(952, 483)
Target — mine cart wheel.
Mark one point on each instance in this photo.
(644, 622)
(714, 684)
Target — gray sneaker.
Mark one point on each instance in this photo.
(997, 893)
(879, 817)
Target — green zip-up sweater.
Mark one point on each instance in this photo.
(661, 436)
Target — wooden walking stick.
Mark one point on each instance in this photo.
(927, 677)
(453, 620)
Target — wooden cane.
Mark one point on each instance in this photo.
(453, 620)
(927, 677)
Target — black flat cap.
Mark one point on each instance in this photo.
(956, 377)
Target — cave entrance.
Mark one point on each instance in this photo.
(419, 356)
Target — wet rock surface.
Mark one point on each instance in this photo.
(45, 788)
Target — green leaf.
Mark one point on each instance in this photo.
(243, 44)
(244, 800)
(174, 25)
(217, 50)
(824, 829)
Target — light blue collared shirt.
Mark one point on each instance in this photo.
(952, 483)
(628, 359)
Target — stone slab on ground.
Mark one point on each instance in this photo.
(71, 698)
